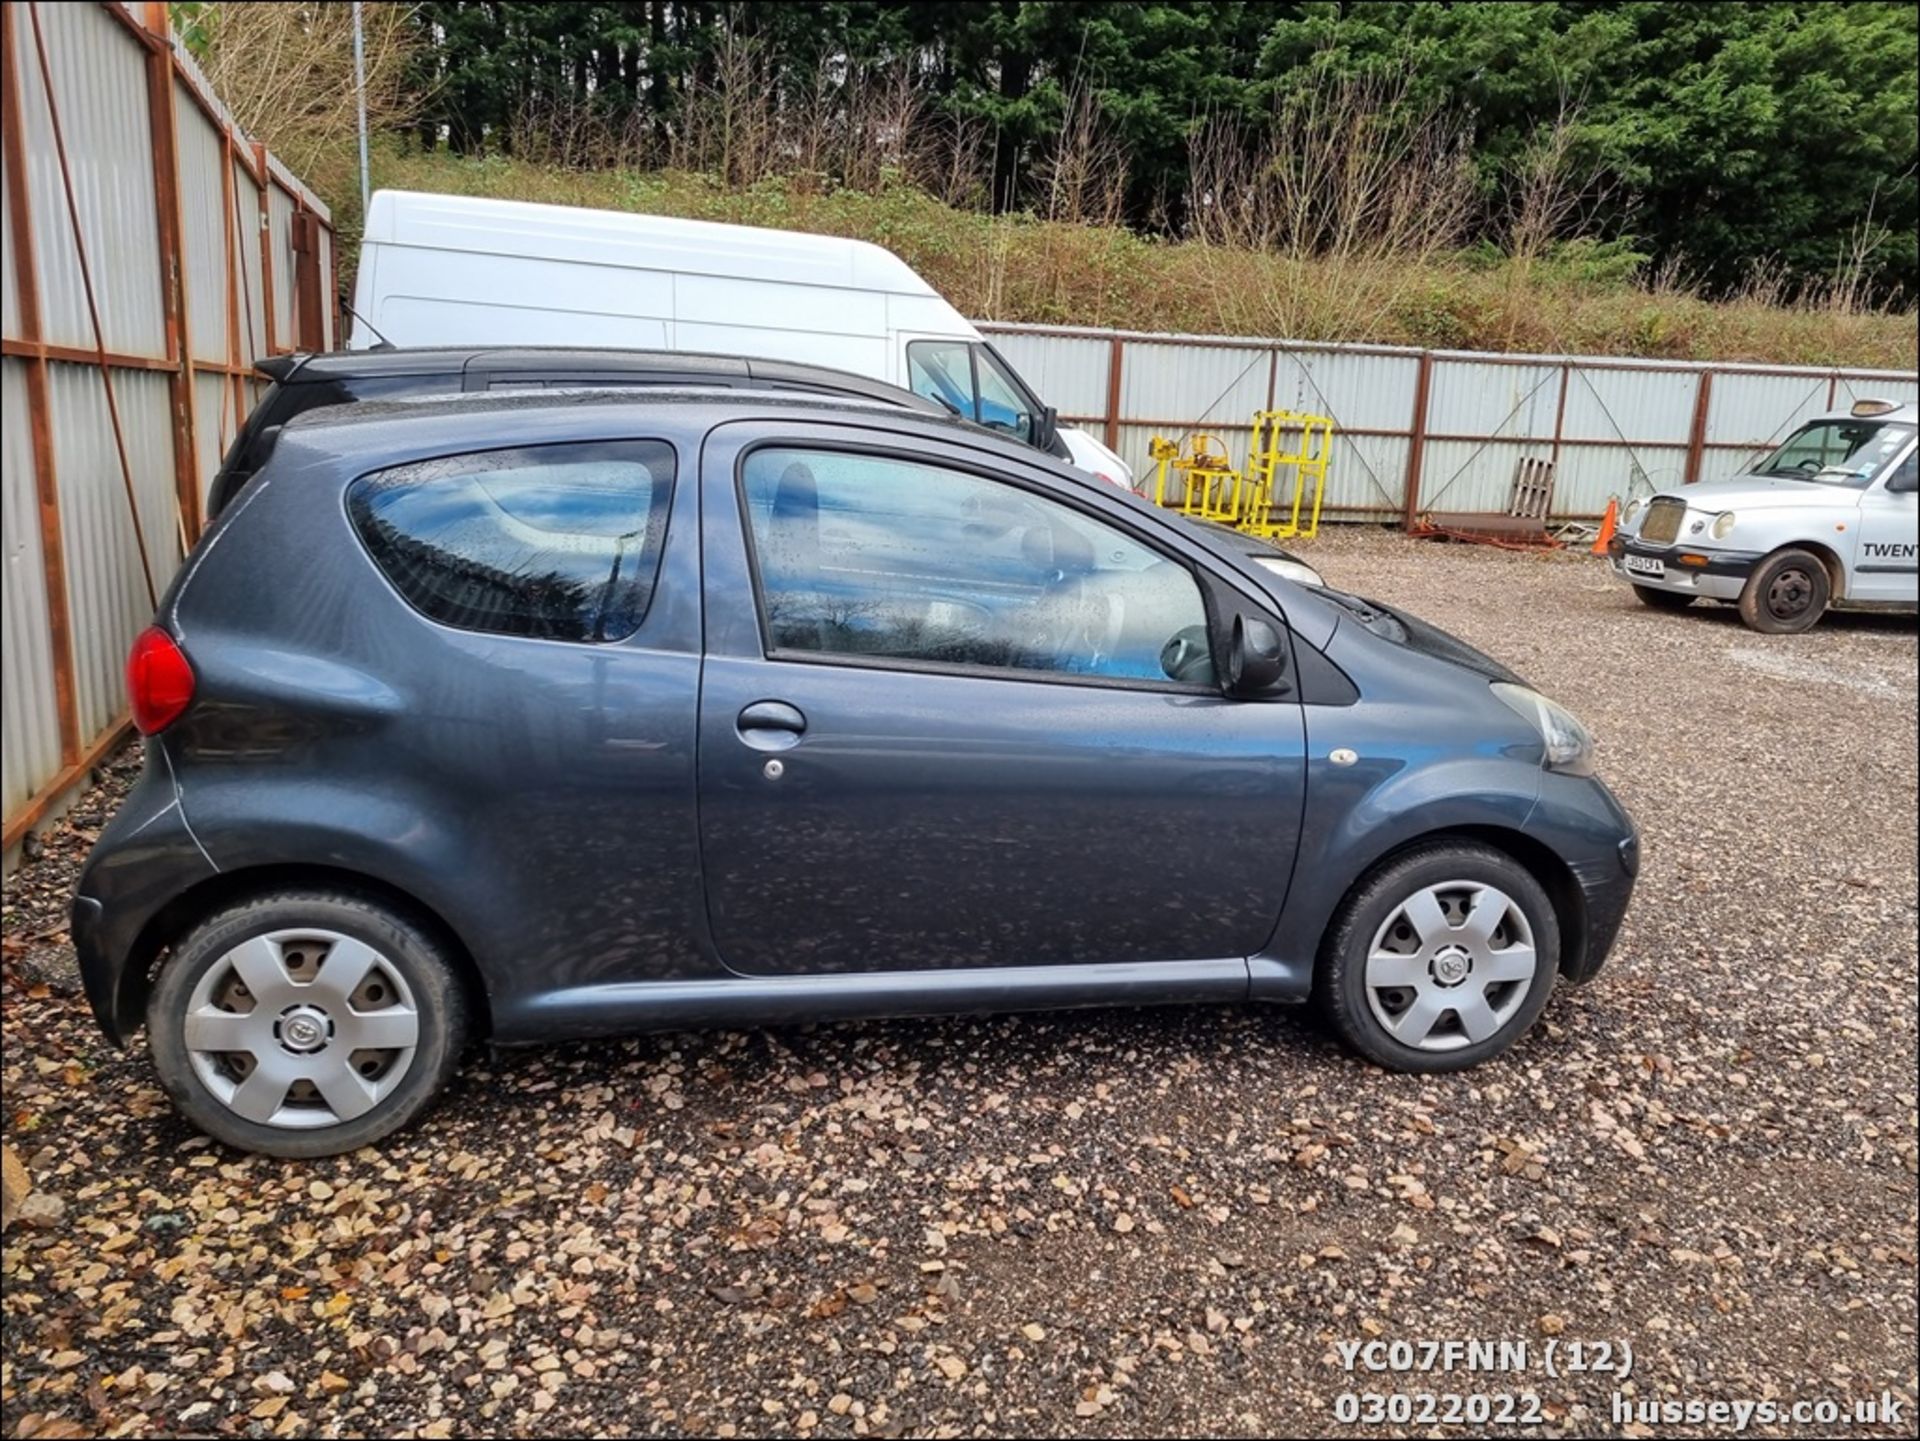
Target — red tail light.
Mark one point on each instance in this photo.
(159, 680)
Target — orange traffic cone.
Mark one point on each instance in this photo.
(1608, 523)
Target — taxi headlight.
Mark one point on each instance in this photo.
(1569, 745)
(1723, 525)
(1634, 507)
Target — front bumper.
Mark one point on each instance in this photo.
(1592, 833)
(1684, 569)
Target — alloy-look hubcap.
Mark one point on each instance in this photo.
(1451, 966)
(298, 1029)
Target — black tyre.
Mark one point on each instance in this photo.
(1787, 593)
(1439, 959)
(306, 1023)
(1662, 599)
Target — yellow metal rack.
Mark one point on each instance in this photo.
(1287, 453)
(1207, 485)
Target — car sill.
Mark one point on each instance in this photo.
(583, 1012)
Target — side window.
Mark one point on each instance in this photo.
(862, 556)
(1902, 476)
(1002, 406)
(942, 371)
(557, 542)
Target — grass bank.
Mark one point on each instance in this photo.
(1580, 299)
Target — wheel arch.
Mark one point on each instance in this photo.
(1827, 556)
(1537, 858)
(193, 905)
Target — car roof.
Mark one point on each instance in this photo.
(374, 425)
(320, 368)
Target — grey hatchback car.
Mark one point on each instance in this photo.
(568, 715)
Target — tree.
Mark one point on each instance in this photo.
(1722, 136)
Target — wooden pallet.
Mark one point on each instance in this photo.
(1523, 525)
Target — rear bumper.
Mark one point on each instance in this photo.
(146, 859)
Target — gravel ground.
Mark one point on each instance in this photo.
(1101, 1223)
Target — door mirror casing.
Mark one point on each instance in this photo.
(1903, 483)
(1046, 428)
(1256, 658)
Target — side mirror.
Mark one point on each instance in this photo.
(1256, 657)
(1046, 428)
(1904, 481)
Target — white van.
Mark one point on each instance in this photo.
(453, 270)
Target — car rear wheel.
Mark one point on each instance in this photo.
(1439, 959)
(1662, 599)
(306, 1023)
(1787, 593)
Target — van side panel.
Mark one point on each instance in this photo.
(451, 297)
(782, 320)
(856, 353)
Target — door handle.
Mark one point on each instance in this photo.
(771, 725)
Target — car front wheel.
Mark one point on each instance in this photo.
(1787, 593)
(306, 1023)
(1439, 959)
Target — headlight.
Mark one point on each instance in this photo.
(1632, 512)
(1569, 746)
(1294, 570)
(1723, 525)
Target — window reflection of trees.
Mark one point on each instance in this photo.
(564, 546)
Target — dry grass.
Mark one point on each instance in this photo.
(1569, 298)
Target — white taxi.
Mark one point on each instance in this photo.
(1829, 520)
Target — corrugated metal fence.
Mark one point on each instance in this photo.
(1424, 430)
(152, 253)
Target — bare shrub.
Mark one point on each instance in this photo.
(286, 73)
(562, 135)
(729, 122)
(880, 137)
(955, 161)
(1083, 172)
(1346, 166)
(1552, 196)
(1348, 173)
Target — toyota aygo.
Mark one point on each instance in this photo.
(569, 715)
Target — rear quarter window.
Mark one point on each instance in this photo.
(558, 542)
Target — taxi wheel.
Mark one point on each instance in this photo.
(1662, 599)
(1787, 593)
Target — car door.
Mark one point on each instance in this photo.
(937, 728)
(1887, 559)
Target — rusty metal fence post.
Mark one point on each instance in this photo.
(1417, 442)
(1697, 427)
